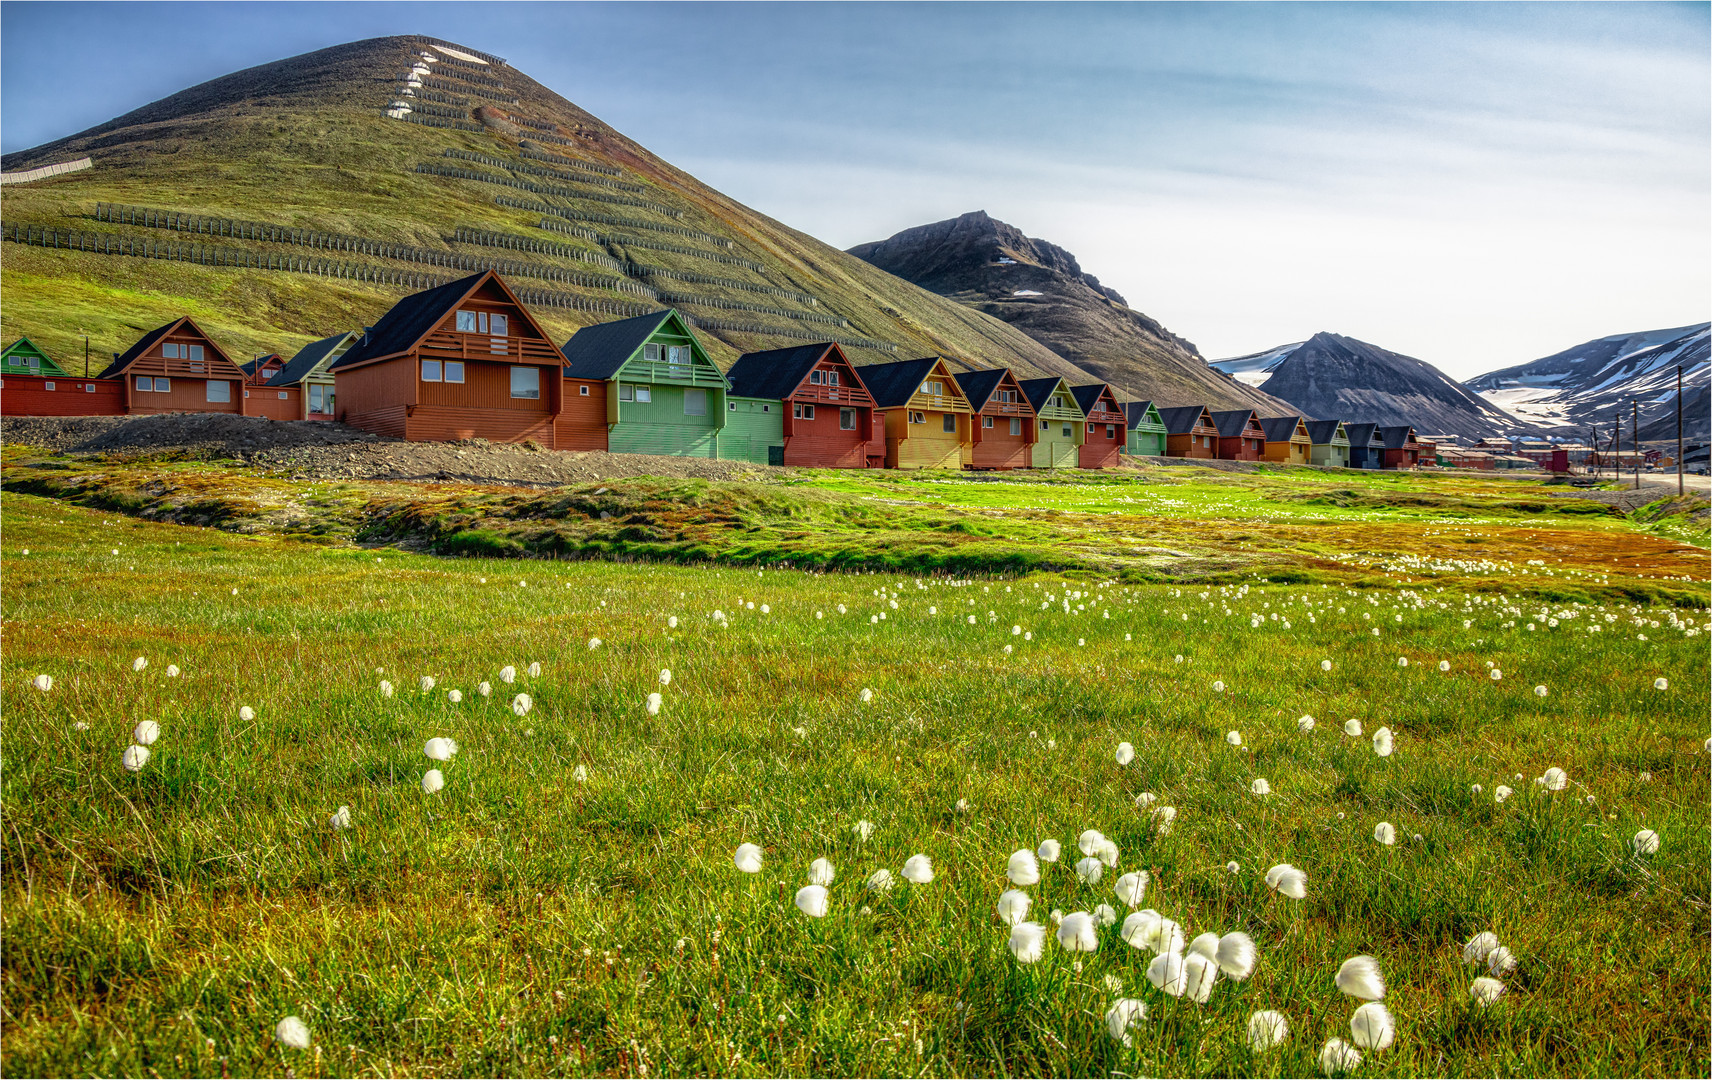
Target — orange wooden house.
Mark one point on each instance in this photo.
(1107, 426)
(1287, 440)
(1190, 432)
(178, 368)
(1241, 438)
(1003, 428)
(923, 412)
(465, 360)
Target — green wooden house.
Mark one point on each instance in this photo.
(663, 394)
(1146, 429)
(309, 372)
(1330, 443)
(25, 357)
(1060, 420)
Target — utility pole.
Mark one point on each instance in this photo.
(1635, 439)
(1679, 429)
(86, 361)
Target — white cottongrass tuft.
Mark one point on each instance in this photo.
(1352, 728)
(918, 870)
(866, 695)
(246, 714)
(580, 774)
(1089, 870)
(139, 663)
(1124, 1014)
(454, 696)
(1360, 977)
(1218, 686)
(134, 758)
(1200, 972)
(440, 749)
(748, 858)
(1288, 880)
(146, 732)
(1104, 915)
(1131, 887)
(1338, 1057)
(594, 643)
(1325, 665)
(1090, 840)
(1646, 842)
(811, 901)
(1266, 1029)
(1501, 793)
(1234, 867)
(1178, 659)
(508, 674)
(1027, 942)
(385, 688)
(1305, 723)
(1125, 754)
(1540, 691)
(1371, 1027)
(1141, 929)
(43, 683)
(1260, 786)
(1496, 675)
(1661, 684)
(1236, 955)
(672, 621)
(1385, 833)
(1383, 743)
(484, 688)
(1234, 738)
(432, 780)
(1486, 991)
(1145, 800)
(521, 704)
(881, 881)
(1479, 947)
(665, 676)
(1013, 906)
(1444, 665)
(341, 818)
(292, 1033)
(425, 684)
(863, 829)
(1077, 932)
(1501, 961)
(1107, 853)
(1163, 817)
(1402, 661)
(1555, 779)
(1023, 868)
(1049, 850)
(653, 704)
(821, 872)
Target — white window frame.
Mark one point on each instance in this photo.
(626, 391)
(1016, 425)
(644, 394)
(1067, 433)
(431, 370)
(917, 417)
(986, 421)
(225, 392)
(949, 424)
(697, 395)
(582, 390)
(526, 393)
(49, 385)
(815, 377)
(846, 414)
(1111, 431)
(446, 371)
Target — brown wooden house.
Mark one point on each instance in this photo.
(1004, 428)
(1106, 426)
(465, 360)
(178, 368)
(1190, 432)
(1241, 438)
(1287, 440)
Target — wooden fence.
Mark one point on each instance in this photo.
(435, 121)
(638, 270)
(738, 305)
(539, 170)
(423, 39)
(42, 172)
(571, 214)
(636, 241)
(434, 168)
(474, 91)
(559, 159)
(486, 238)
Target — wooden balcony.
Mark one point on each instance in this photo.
(817, 394)
(451, 345)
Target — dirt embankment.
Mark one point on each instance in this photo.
(319, 450)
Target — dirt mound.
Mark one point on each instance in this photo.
(320, 450)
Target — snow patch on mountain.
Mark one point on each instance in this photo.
(1255, 368)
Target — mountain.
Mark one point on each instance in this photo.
(1339, 378)
(1255, 368)
(288, 201)
(1040, 289)
(1590, 384)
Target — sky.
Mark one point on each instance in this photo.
(1475, 185)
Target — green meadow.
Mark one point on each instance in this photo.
(568, 903)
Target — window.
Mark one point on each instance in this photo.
(986, 421)
(195, 353)
(695, 402)
(525, 382)
(194, 366)
(283, 396)
(917, 417)
(1090, 429)
(1067, 431)
(1111, 431)
(454, 371)
(1043, 425)
(951, 423)
(48, 385)
(626, 392)
(651, 353)
(219, 390)
(582, 391)
(846, 419)
(732, 405)
(320, 398)
(89, 386)
(431, 369)
(815, 376)
(170, 350)
(766, 408)
(497, 325)
(802, 412)
(1016, 425)
(832, 378)
(678, 359)
(163, 386)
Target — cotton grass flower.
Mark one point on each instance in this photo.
(1383, 742)
(653, 704)
(1338, 1057)
(1501, 961)
(1077, 933)
(1402, 661)
(1145, 800)
(139, 663)
(1360, 977)
(432, 781)
(43, 683)
(454, 696)
(866, 695)
(881, 881)
(863, 829)
(811, 900)
(1325, 665)
(484, 688)
(1371, 1027)
(1646, 842)
(1218, 686)
(1540, 691)
(748, 858)
(246, 714)
(1352, 728)
(385, 688)
(1049, 850)
(1500, 793)
(1260, 786)
(1555, 779)
(1141, 929)
(1234, 738)
(440, 749)
(1661, 684)
(134, 758)
(1125, 1013)
(821, 872)
(1267, 1029)
(1090, 840)
(1013, 906)
(918, 870)
(1199, 974)
(1089, 870)
(521, 704)
(508, 674)
(1163, 818)
(292, 1033)
(1444, 665)
(1305, 723)
(1486, 991)
(580, 774)
(1234, 867)
(1027, 942)
(594, 643)
(1131, 887)
(145, 733)
(1104, 915)
(341, 818)
(1479, 947)
(1125, 754)
(1287, 880)
(1495, 675)
(1023, 868)
(425, 683)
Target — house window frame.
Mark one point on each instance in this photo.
(1016, 425)
(431, 371)
(582, 390)
(225, 389)
(916, 416)
(696, 394)
(986, 421)
(846, 414)
(48, 385)
(816, 378)
(526, 393)
(446, 371)
(948, 425)
(802, 411)
(1111, 431)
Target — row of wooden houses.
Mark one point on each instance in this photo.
(468, 360)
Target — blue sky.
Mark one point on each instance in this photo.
(1476, 185)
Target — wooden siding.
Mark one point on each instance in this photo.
(927, 445)
(377, 390)
(660, 426)
(1293, 451)
(821, 443)
(1101, 445)
(997, 448)
(1146, 442)
(1405, 457)
(752, 427)
(28, 395)
(582, 423)
(1057, 442)
(275, 403)
(444, 423)
(487, 385)
(1199, 444)
(1332, 454)
(182, 395)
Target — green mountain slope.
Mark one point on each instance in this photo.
(281, 203)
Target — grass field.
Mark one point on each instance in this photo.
(568, 902)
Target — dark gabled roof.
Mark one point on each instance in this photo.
(894, 384)
(1136, 411)
(1362, 434)
(1396, 438)
(1039, 391)
(598, 351)
(978, 386)
(1323, 431)
(143, 344)
(249, 366)
(300, 366)
(1181, 420)
(409, 321)
(774, 373)
(1232, 422)
(1087, 395)
(1280, 428)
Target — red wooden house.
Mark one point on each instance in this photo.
(178, 368)
(1107, 426)
(1004, 428)
(465, 360)
(1241, 436)
(1403, 449)
(826, 414)
(1190, 432)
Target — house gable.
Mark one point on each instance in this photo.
(456, 321)
(25, 357)
(907, 384)
(1052, 399)
(177, 350)
(314, 360)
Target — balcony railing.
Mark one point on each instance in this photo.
(459, 346)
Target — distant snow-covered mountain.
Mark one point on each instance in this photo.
(1255, 368)
(1591, 383)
